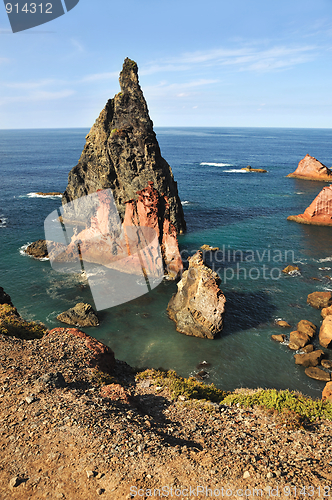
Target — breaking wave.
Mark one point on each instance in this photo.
(208, 164)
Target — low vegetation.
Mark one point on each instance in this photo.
(293, 409)
(13, 325)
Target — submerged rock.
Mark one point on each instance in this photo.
(79, 315)
(319, 213)
(311, 169)
(198, 306)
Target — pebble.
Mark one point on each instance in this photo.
(14, 482)
(246, 474)
(30, 399)
(100, 491)
(89, 474)
(270, 475)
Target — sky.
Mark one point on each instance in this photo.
(239, 63)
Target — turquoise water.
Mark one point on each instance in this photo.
(237, 211)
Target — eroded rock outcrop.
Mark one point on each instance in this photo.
(309, 359)
(327, 392)
(311, 169)
(122, 153)
(319, 213)
(320, 300)
(101, 357)
(198, 306)
(80, 315)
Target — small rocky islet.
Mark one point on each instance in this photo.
(66, 387)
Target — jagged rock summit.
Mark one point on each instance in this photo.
(122, 153)
(311, 169)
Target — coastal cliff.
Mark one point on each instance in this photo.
(122, 153)
(311, 169)
(319, 212)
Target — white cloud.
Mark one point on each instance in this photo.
(247, 57)
(38, 96)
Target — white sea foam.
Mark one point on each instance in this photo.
(208, 164)
(299, 192)
(35, 195)
(23, 249)
(327, 259)
(324, 268)
(185, 202)
(235, 171)
(3, 221)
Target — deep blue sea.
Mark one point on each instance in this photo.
(244, 214)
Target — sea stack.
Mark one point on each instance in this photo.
(311, 169)
(319, 212)
(122, 153)
(198, 306)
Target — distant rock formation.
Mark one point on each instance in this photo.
(257, 170)
(122, 154)
(319, 213)
(79, 315)
(313, 170)
(198, 306)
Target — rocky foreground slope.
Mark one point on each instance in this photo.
(70, 431)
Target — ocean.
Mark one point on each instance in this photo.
(244, 214)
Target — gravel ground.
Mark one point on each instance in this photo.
(61, 438)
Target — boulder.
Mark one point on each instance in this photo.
(318, 374)
(325, 332)
(320, 300)
(293, 346)
(79, 315)
(39, 249)
(299, 339)
(326, 363)
(307, 348)
(283, 324)
(291, 270)
(279, 338)
(326, 311)
(305, 326)
(311, 169)
(198, 306)
(319, 213)
(309, 359)
(327, 392)
(100, 357)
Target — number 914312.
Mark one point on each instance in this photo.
(32, 8)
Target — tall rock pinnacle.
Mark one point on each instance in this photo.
(122, 153)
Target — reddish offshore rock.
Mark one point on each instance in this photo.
(198, 306)
(102, 357)
(319, 213)
(313, 170)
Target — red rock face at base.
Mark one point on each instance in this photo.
(132, 245)
(311, 169)
(319, 212)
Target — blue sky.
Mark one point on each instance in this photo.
(213, 63)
